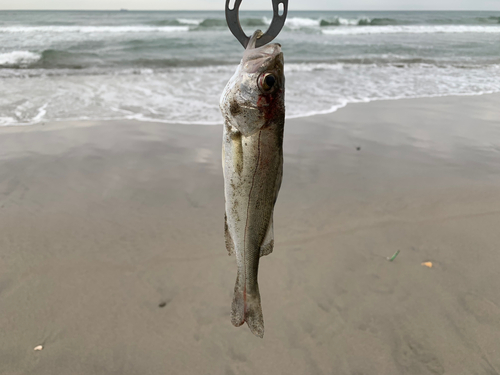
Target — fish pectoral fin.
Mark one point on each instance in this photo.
(228, 238)
(268, 244)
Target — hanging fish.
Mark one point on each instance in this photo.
(253, 107)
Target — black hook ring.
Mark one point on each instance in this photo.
(233, 21)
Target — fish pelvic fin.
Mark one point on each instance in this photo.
(268, 244)
(247, 308)
(228, 238)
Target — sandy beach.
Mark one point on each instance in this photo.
(112, 251)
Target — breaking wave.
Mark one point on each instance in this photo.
(478, 24)
(91, 29)
(413, 29)
(338, 21)
(18, 59)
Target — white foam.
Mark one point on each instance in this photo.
(4, 121)
(18, 58)
(92, 29)
(41, 113)
(189, 21)
(298, 22)
(414, 29)
(311, 67)
(348, 22)
(191, 95)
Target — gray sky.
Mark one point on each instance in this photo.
(255, 4)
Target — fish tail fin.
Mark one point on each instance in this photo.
(253, 314)
(247, 308)
(239, 301)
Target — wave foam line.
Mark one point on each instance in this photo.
(18, 58)
(10, 121)
(411, 30)
(189, 21)
(91, 29)
(299, 22)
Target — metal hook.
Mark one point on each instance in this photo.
(233, 21)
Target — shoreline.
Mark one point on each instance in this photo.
(112, 248)
(320, 113)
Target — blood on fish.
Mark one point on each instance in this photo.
(269, 106)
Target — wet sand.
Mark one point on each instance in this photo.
(112, 251)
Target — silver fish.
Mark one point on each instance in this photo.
(253, 107)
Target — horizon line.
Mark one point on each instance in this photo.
(252, 10)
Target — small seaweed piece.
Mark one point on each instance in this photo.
(393, 257)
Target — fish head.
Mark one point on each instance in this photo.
(254, 98)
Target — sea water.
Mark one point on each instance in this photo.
(172, 66)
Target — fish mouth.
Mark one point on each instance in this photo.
(269, 50)
(262, 56)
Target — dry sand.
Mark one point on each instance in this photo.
(101, 223)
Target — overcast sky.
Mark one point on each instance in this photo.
(255, 4)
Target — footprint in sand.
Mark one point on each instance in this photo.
(414, 357)
(481, 308)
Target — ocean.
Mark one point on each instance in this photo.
(172, 66)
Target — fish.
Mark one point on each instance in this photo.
(253, 108)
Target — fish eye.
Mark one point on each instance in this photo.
(267, 81)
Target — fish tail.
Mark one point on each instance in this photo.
(253, 314)
(239, 302)
(247, 308)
